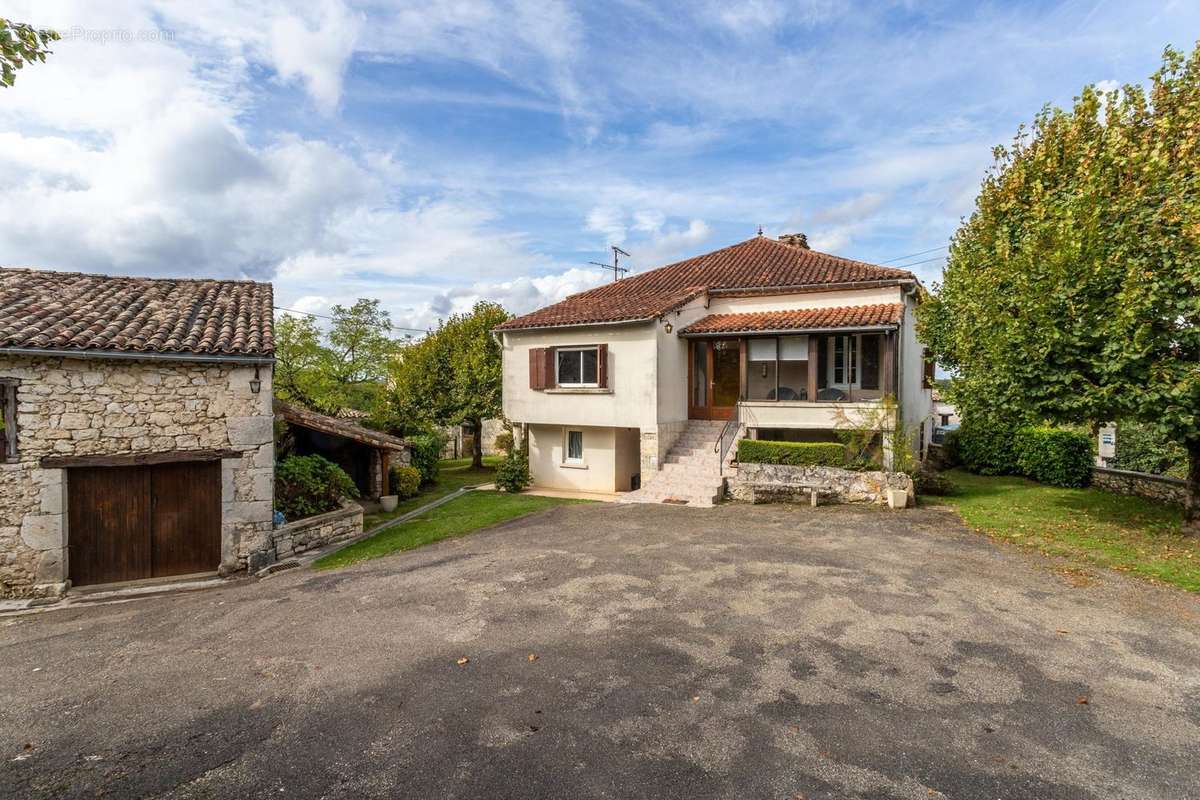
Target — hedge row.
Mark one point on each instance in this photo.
(1048, 455)
(796, 454)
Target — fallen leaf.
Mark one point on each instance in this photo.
(1081, 700)
(1060, 630)
(533, 657)
(463, 660)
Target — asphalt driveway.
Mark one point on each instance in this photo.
(624, 651)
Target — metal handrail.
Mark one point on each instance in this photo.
(732, 425)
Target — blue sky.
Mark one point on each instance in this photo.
(433, 154)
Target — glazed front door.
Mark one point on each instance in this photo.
(714, 378)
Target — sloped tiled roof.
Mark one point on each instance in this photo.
(305, 418)
(808, 319)
(758, 264)
(71, 311)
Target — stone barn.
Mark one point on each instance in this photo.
(137, 439)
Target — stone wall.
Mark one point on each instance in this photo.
(763, 482)
(1141, 484)
(302, 535)
(79, 407)
(656, 443)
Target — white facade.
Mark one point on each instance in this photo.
(629, 422)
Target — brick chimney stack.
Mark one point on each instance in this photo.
(794, 239)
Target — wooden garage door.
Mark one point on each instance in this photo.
(127, 523)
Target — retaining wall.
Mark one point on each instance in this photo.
(310, 533)
(1141, 484)
(760, 483)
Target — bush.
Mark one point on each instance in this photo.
(512, 475)
(988, 447)
(797, 454)
(504, 441)
(1055, 456)
(951, 454)
(308, 485)
(927, 481)
(406, 481)
(1143, 448)
(426, 453)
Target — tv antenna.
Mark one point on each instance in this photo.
(617, 269)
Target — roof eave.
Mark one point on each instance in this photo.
(794, 287)
(261, 359)
(793, 331)
(638, 321)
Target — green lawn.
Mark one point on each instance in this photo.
(454, 474)
(463, 515)
(1088, 526)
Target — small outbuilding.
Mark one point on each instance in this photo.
(366, 455)
(137, 438)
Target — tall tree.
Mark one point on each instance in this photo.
(1072, 292)
(20, 44)
(347, 368)
(453, 375)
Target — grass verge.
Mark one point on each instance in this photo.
(471, 512)
(452, 476)
(1130, 534)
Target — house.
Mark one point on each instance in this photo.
(644, 383)
(944, 413)
(366, 455)
(137, 428)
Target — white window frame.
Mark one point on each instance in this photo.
(566, 457)
(852, 361)
(558, 351)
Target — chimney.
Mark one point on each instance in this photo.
(794, 239)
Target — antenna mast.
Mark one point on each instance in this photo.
(617, 269)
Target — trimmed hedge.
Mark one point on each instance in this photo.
(406, 481)
(988, 447)
(796, 454)
(1054, 456)
(310, 485)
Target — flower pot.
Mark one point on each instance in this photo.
(897, 498)
(388, 502)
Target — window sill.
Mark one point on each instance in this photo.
(565, 465)
(578, 390)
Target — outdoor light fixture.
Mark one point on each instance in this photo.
(669, 327)
(255, 382)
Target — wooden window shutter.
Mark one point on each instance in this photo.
(536, 368)
(548, 368)
(602, 366)
(930, 366)
(8, 437)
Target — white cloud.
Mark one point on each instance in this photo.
(318, 53)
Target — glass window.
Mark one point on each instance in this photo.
(793, 348)
(577, 367)
(839, 359)
(762, 349)
(574, 447)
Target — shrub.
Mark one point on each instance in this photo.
(406, 481)
(951, 455)
(1055, 456)
(504, 441)
(512, 475)
(426, 453)
(927, 481)
(1143, 448)
(308, 485)
(988, 447)
(797, 454)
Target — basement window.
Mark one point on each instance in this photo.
(573, 451)
(8, 420)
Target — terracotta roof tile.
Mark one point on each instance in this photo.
(758, 264)
(306, 418)
(72, 311)
(810, 319)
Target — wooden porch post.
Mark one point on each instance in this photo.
(742, 364)
(814, 349)
(888, 365)
(384, 464)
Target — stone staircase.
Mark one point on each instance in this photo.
(689, 475)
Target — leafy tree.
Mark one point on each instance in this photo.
(20, 44)
(348, 368)
(453, 375)
(1072, 293)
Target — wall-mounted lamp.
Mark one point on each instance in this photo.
(255, 382)
(669, 327)
(764, 369)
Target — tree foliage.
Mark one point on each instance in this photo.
(453, 375)
(347, 368)
(19, 44)
(1072, 293)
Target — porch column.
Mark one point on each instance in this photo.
(814, 349)
(384, 465)
(888, 364)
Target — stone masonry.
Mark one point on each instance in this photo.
(309, 533)
(85, 406)
(837, 485)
